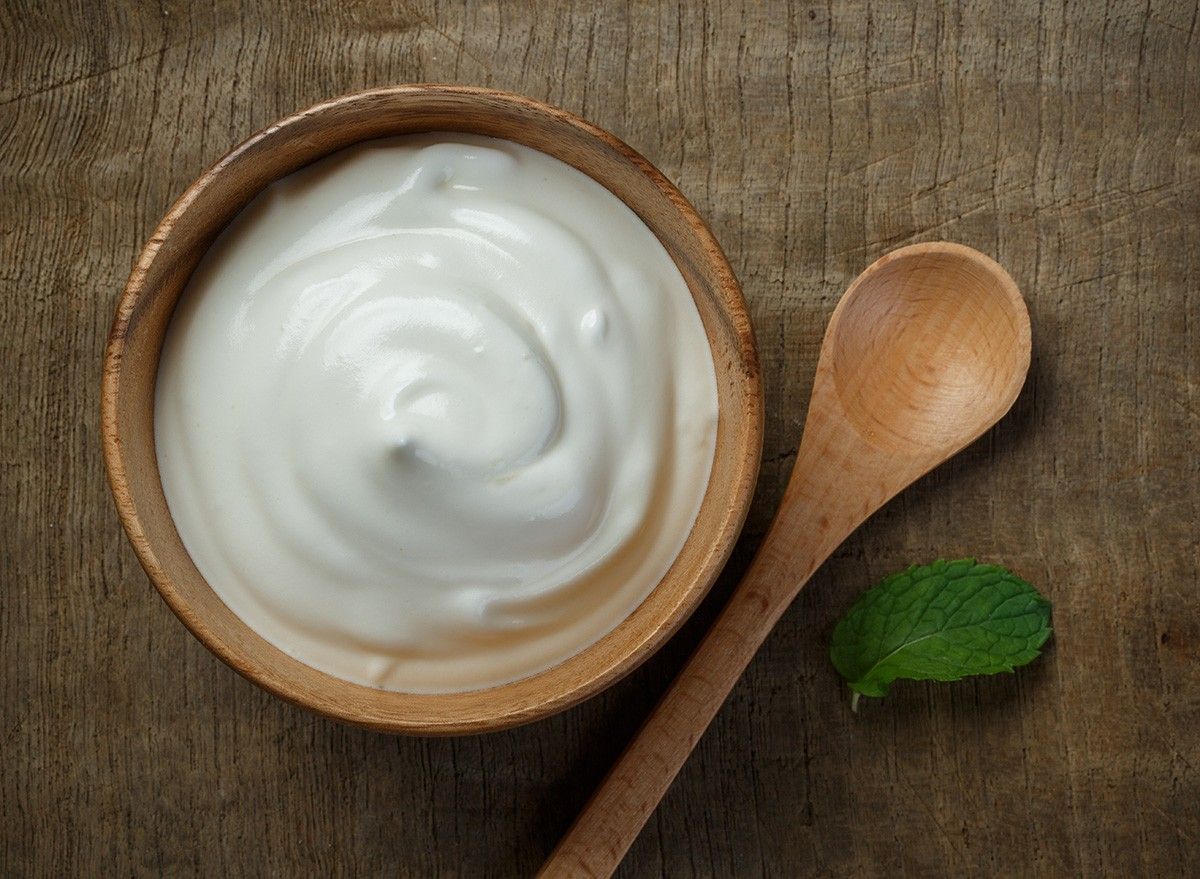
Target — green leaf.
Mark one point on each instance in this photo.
(939, 622)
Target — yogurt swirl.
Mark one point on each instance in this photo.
(435, 413)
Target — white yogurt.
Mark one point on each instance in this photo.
(435, 413)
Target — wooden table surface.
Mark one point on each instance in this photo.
(1062, 137)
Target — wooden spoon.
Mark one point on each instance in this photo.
(928, 349)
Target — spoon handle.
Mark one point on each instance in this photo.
(799, 540)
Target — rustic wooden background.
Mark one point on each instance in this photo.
(1062, 137)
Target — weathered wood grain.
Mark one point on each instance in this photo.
(1063, 138)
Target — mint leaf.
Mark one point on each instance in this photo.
(939, 622)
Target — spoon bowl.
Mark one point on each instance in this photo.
(927, 349)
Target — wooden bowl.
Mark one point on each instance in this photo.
(181, 239)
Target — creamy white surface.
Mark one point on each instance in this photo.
(435, 413)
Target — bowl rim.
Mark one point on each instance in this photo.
(440, 722)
